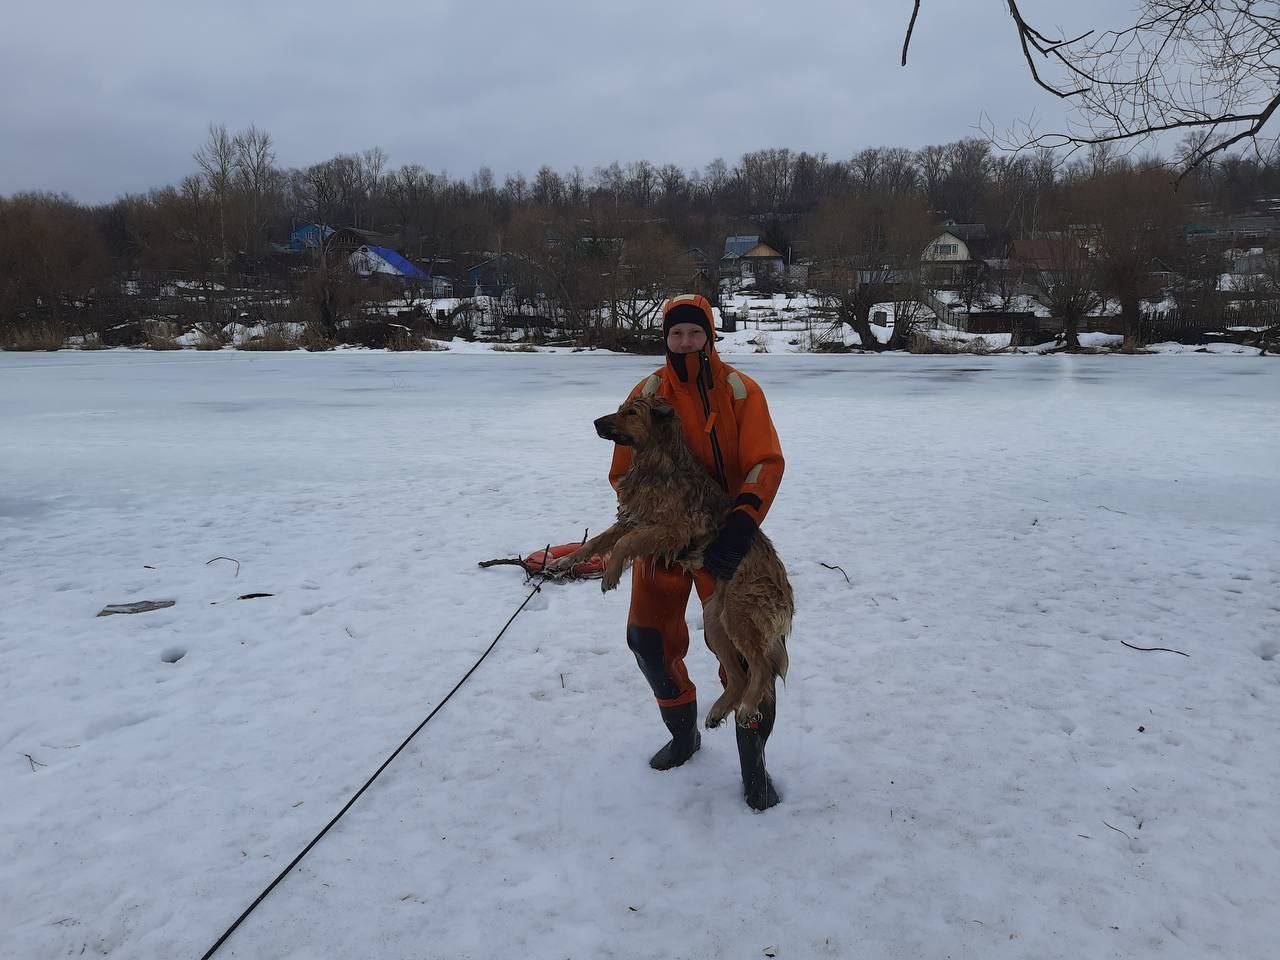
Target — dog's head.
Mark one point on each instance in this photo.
(638, 423)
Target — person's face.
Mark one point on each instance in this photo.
(686, 338)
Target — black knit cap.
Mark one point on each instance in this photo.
(687, 313)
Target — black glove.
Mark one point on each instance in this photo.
(731, 544)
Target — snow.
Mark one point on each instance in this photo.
(972, 763)
(430, 304)
(1244, 282)
(1221, 349)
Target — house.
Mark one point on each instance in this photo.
(734, 248)
(440, 271)
(340, 241)
(1253, 260)
(957, 251)
(747, 256)
(1242, 228)
(695, 270)
(495, 275)
(309, 236)
(369, 259)
(1055, 254)
(761, 259)
(1251, 227)
(598, 248)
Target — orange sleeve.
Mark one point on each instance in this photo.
(759, 453)
(620, 465)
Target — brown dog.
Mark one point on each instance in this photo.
(670, 509)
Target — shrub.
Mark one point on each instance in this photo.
(34, 335)
(208, 341)
(160, 336)
(276, 336)
(923, 343)
(401, 338)
(127, 334)
(832, 346)
(313, 338)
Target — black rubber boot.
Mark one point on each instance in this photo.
(757, 788)
(682, 721)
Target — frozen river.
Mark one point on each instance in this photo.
(972, 762)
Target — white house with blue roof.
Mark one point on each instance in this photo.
(370, 260)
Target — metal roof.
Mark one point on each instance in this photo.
(400, 263)
(735, 247)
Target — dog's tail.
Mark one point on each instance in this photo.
(778, 657)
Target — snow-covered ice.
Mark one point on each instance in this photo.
(973, 764)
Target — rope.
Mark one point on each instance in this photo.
(317, 838)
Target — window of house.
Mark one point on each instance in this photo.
(944, 249)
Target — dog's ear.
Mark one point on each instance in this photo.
(663, 411)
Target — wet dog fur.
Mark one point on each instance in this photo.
(670, 509)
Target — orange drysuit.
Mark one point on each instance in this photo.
(726, 421)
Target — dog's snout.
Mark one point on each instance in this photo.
(607, 428)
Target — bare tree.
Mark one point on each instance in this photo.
(321, 192)
(51, 260)
(199, 224)
(866, 248)
(1138, 219)
(765, 176)
(673, 183)
(217, 162)
(648, 272)
(1197, 269)
(1064, 278)
(1210, 66)
(255, 175)
(548, 187)
(973, 286)
(932, 163)
(372, 181)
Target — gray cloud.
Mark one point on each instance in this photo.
(101, 101)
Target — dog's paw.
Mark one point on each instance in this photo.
(749, 718)
(609, 581)
(714, 718)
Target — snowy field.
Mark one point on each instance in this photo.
(973, 765)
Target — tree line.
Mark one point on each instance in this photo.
(621, 235)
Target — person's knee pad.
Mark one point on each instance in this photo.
(646, 644)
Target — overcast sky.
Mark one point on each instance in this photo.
(108, 98)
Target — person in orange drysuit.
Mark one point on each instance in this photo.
(726, 421)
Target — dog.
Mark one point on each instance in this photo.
(670, 509)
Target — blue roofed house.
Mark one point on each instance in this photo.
(368, 260)
(309, 236)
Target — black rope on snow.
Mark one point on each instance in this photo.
(307, 849)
